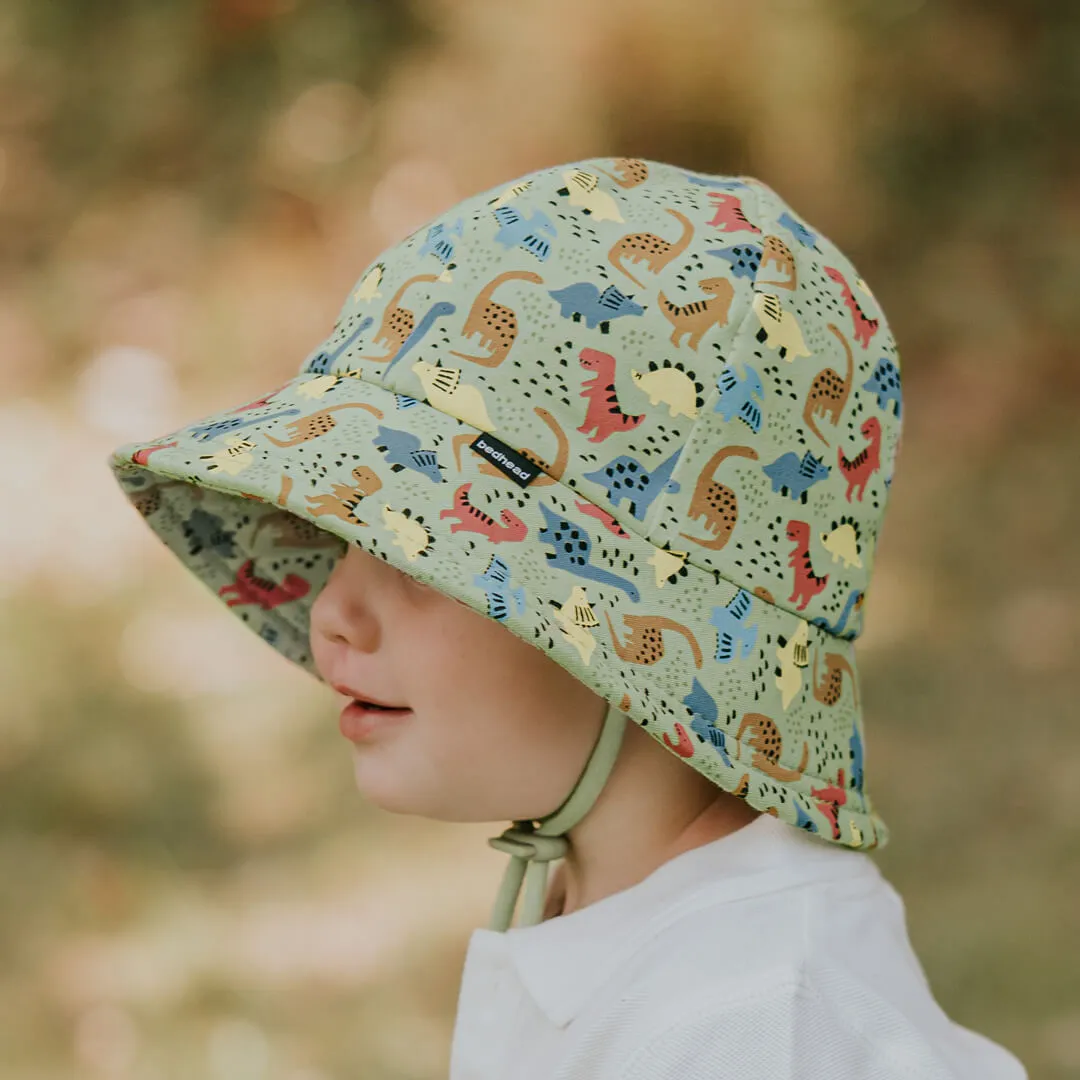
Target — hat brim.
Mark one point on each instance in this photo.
(259, 502)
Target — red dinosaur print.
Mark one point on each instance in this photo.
(141, 457)
(473, 519)
(685, 746)
(866, 462)
(265, 400)
(807, 583)
(603, 415)
(830, 798)
(248, 588)
(863, 328)
(729, 216)
(602, 516)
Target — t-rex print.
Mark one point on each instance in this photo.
(532, 234)
(884, 381)
(704, 715)
(472, 519)
(791, 475)
(807, 583)
(829, 392)
(651, 249)
(495, 323)
(699, 316)
(603, 416)
(502, 600)
(767, 744)
(864, 328)
(828, 689)
(729, 215)
(344, 500)
(550, 471)
(717, 503)
(319, 423)
(248, 588)
(735, 638)
(440, 309)
(573, 550)
(738, 394)
(625, 477)
(645, 645)
(583, 298)
(402, 451)
(398, 321)
(866, 462)
(323, 361)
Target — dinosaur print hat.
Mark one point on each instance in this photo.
(644, 417)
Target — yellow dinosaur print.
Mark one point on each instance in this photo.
(409, 534)
(234, 459)
(779, 328)
(666, 563)
(842, 543)
(793, 657)
(671, 386)
(584, 191)
(368, 289)
(576, 618)
(445, 391)
(316, 387)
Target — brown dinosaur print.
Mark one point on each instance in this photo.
(829, 392)
(472, 519)
(319, 423)
(495, 323)
(249, 588)
(653, 250)
(699, 316)
(627, 172)
(603, 415)
(767, 745)
(343, 501)
(829, 689)
(715, 502)
(807, 583)
(776, 257)
(550, 472)
(289, 530)
(397, 322)
(149, 499)
(645, 645)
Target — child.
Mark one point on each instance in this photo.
(581, 495)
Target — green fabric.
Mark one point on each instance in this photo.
(712, 395)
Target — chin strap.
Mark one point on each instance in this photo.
(532, 845)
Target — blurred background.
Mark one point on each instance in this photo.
(190, 884)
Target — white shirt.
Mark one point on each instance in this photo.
(769, 954)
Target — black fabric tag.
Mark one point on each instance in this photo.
(506, 459)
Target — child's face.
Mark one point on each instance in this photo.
(497, 730)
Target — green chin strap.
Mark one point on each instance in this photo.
(533, 845)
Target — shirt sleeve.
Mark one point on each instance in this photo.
(789, 1033)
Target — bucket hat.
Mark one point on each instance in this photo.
(644, 417)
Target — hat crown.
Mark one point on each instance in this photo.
(681, 349)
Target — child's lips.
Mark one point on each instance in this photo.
(359, 720)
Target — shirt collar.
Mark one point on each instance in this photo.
(563, 961)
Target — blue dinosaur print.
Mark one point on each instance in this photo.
(206, 531)
(599, 308)
(402, 450)
(885, 382)
(745, 259)
(856, 747)
(625, 477)
(205, 432)
(495, 581)
(737, 396)
(439, 240)
(322, 361)
(838, 628)
(703, 714)
(572, 551)
(802, 233)
(792, 476)
(436, 311)
(732, 629)
(713, 181)
(516, 230)
(403, 401)
(803, 820)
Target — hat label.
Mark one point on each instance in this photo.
(506, 459)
